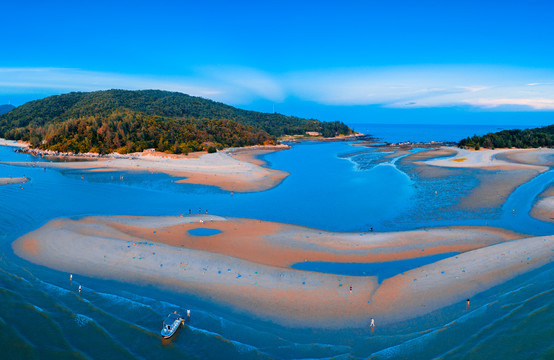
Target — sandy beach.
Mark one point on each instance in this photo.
(251, 154)
(16, 180)
(14, 143)
(232, 173)
(246, 265)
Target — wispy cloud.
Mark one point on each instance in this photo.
(425, 86)
(244, 84)
(401, 87)
(539, 104)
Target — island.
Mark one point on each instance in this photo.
(125, 121)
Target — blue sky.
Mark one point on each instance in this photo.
(362, 61)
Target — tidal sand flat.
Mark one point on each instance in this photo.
(246, 265)
(483, 159)
(543, 209)
(499, 171)
(15, 180)
(218, 169)
(542, 157)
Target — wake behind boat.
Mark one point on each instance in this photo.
(171, 324)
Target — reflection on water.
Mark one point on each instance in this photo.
(42, 314)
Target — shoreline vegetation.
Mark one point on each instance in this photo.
(528, 138)
(247, 265)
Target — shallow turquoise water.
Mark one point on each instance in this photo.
(332, 186)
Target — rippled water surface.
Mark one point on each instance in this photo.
(332, 186)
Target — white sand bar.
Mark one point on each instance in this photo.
(15, 180)
(246, 279)
(484, 159)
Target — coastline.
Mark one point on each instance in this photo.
(223, 169)
(247, 266)
(14, 143)
(251, 154)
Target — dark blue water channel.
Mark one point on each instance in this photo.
(515, 211)
(383, 270)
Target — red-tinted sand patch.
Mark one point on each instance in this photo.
(30, 246)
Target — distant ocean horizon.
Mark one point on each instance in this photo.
(429, 132)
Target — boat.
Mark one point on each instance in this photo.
(171, 324)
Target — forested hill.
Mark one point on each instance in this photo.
(129, 121)
(5, 108)
(528, 138)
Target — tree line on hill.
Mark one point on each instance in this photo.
(528, 138)
(129, 121)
